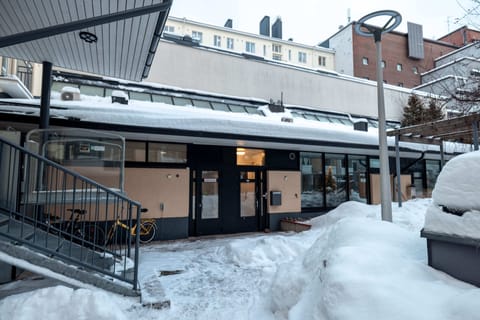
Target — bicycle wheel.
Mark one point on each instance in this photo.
(148, 229)
(94, 234)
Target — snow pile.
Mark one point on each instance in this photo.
(349, 266)
(457, 184)
(63, 303)
(456, 190)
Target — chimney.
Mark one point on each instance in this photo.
(277, 28)
(229, 23)
(265, 26)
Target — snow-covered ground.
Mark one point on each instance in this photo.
(350, 265)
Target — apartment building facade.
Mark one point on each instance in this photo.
(404, 57)
(263, 45)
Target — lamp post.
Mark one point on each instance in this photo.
(394, 19)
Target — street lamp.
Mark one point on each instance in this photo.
(394, 19)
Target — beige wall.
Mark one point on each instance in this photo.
(165, 192)
(289, 183)
(406, 181)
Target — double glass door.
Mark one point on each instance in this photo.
(227, 202)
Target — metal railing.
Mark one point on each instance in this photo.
(55, 211)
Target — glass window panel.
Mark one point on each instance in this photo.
(237, 108)
(357, 173)
(432, 170)
(167, 152)
(322, 118)
(250, 157)
(335, 179)
(311, 166)
(209, 195)
(135, 151)
(297, 114)
(162, 98)
(92, 91)
(202, 104)
(179, 101)
(220, 106)
(140, 96)
(247, 194)
(310, 116)
(252, 110)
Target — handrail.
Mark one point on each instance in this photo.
(37, 214)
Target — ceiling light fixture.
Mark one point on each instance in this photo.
(88, 37)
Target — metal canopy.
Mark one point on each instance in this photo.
(462, 129)
(116, 38)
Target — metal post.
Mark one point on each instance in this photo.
(442, 156)
(45, 98)
(385, 191)
(397, 169)
(475, 135)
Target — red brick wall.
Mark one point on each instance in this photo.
(394, 51)
(461, 37)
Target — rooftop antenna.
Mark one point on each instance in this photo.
(349, 17)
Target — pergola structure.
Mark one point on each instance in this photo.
(462, 130)
(109, 37)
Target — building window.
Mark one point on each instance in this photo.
(169, 29)
(250, 157)
(250, 47)
(277, 57)
(322, 61)
(302, 57)
(415, 70)
(311, 166)
(399, 67)
(217, 41)
(289, 55)
(197, 35)
(167, 153)
(335, 179)
(365, 61)
(276, 48)
(264, 50)
(230, 43)
(383, 64)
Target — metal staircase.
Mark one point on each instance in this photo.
(55, 220)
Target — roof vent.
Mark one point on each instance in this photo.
(360, 125)
(119, 97)
(70, 93)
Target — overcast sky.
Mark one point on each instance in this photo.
(312, 21)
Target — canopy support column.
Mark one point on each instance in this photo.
(45, 98)
(397, 169)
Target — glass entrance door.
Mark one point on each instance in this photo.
(205, 202)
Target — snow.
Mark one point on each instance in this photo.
(456, 189)
(349, 265)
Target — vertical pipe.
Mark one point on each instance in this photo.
(385, 191)
(397, 169)
(45, 98)
(475, 135)
(442, 155)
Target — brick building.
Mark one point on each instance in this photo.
(461, 37)
(355, 55)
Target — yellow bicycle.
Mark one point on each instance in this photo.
(146, 227)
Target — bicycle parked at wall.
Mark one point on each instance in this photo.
(147, 229)
(73, 228)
